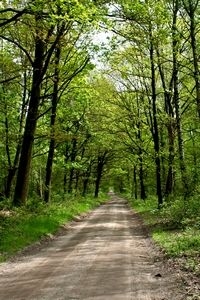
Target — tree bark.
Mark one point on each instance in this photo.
(155, 124)
(98, 178)
(169, 187)
(176, 100)
(67, 156)
(141, 176)
(135, 189)
(85, 184)
(86, 178)
(12, 166)
(100, 164)
(169, 110)
(73, 158)
(143, 195)
(190, 8)
(49, 164)
(22, 182)
(195, 60)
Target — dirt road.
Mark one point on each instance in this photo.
(104, 257)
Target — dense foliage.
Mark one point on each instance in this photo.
(77, 115)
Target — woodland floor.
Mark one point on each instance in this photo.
(105, 256)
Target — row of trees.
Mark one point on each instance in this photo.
(65, 124)
(45, 57)
(157, 78)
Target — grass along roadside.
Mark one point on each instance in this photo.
(20, 227)
(175, 228)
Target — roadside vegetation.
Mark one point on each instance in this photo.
(20, 227)
(175, 228)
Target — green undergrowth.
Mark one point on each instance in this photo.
(20, 227)
(175, 227)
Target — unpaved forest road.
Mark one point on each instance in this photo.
(104, 257)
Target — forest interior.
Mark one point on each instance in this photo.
(99, 96)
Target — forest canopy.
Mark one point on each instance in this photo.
(80, 115)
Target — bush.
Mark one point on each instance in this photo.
(181, 213)
(173, 213)
(176, 226)
(177, 243)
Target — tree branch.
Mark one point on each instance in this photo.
(8, 79)
(19, 46)
(14, 18)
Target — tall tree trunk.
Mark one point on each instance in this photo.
(169, 187)
(195, 175)
(67, 156)
(40, 184)
(86, 178)
(155, 123)
(77, 181)
(141, 176)
(195, 61)
(170, 175)
(73, 158)
(100, 164)
(140, 153)
(12, 171)
(135, 189)
(176, 100)
(12, 167)
(98, 178)
(50, 157)
(191, 7)
(169, 109)
(22, 182)
(85, 182)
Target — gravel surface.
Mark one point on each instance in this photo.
(105, 256)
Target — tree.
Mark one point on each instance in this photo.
(50, 21)
(191, 7)
(72, 71)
